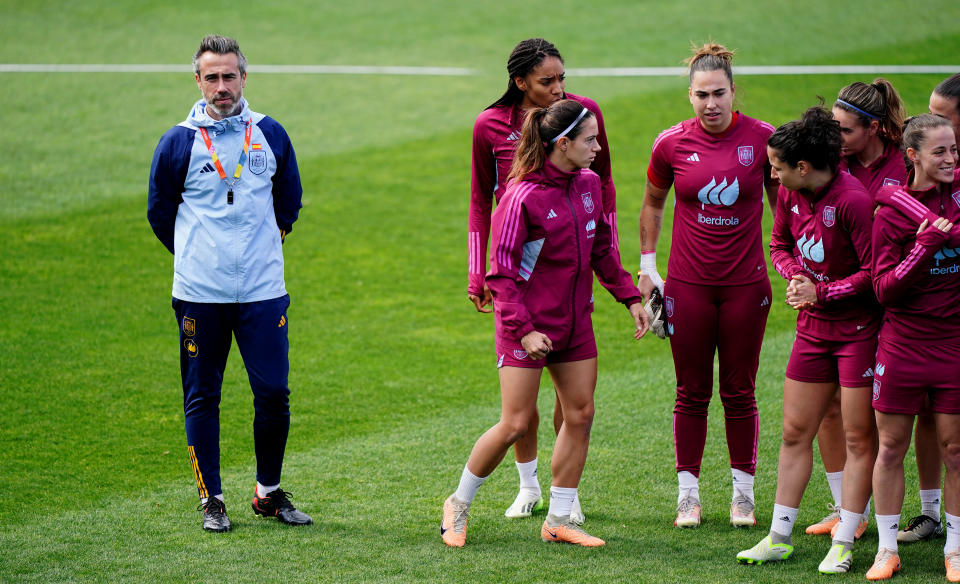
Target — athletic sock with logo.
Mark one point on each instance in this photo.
(847, 530)
(528, 475)
(953, 533)
(561, 501)
(469, 485)
(835, 480)
(887, 526)
(689, 486)
(781, 527)
(930, 503)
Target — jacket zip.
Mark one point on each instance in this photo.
(576, 274)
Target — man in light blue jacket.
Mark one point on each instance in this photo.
(224, 192)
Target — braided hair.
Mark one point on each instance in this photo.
(524, 58)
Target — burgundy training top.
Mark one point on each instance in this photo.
(549, 236)
(825, 235)
(917, 277)
(718, 179)
(889, 169)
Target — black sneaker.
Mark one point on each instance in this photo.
(277, 504)
(214, 515)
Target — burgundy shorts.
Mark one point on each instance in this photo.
(511, 354)
(818, 361)
(906, 373)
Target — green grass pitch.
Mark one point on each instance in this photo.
(392, 371)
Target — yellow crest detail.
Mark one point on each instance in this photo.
(283, 321)
(189, 327)
(191, 347)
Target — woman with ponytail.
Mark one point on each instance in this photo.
(870, 118)
(821, 245)
(536, 79)
(549, 237)
(916, 277)
(871, 121)
(718, 295)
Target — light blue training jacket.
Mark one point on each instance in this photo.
(224, 252)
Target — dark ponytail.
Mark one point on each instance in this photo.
(540, 131)
(814, 138)
(524, 58)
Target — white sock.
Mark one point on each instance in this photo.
(835, 479)
(743, 483)
(847, 530)
(689, 486)
(528, 475)
(783, 520)
(930, 503)
(469, 485)
(887, 526)
(263, 491)
(561, 501)
(953, 533)
(203, 500)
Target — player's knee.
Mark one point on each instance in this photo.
(861, 440)
(580, 417)
(951, 456)
(890, 455)
(797, 433)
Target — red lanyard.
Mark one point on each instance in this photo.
(216, 159)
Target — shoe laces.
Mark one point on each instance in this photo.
(687, 505)
(743, 504)
(834, 510)
(213, 506)
(280, 498)
(460, 514)
(920, 520)
(883, 556)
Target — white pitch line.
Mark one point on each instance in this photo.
(460, 72)
(770, 70)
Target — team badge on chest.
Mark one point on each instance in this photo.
(829, 216)
(587, 202)
(258, 161)
(745, 155)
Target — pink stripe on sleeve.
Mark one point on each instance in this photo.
(908, 203)
(908, 262)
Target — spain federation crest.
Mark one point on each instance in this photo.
(669, 303)
(829, 216)
(258, 161)
(745, 155)
(890, 181)
(189, 327)
(587, 202)
(519, 354)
